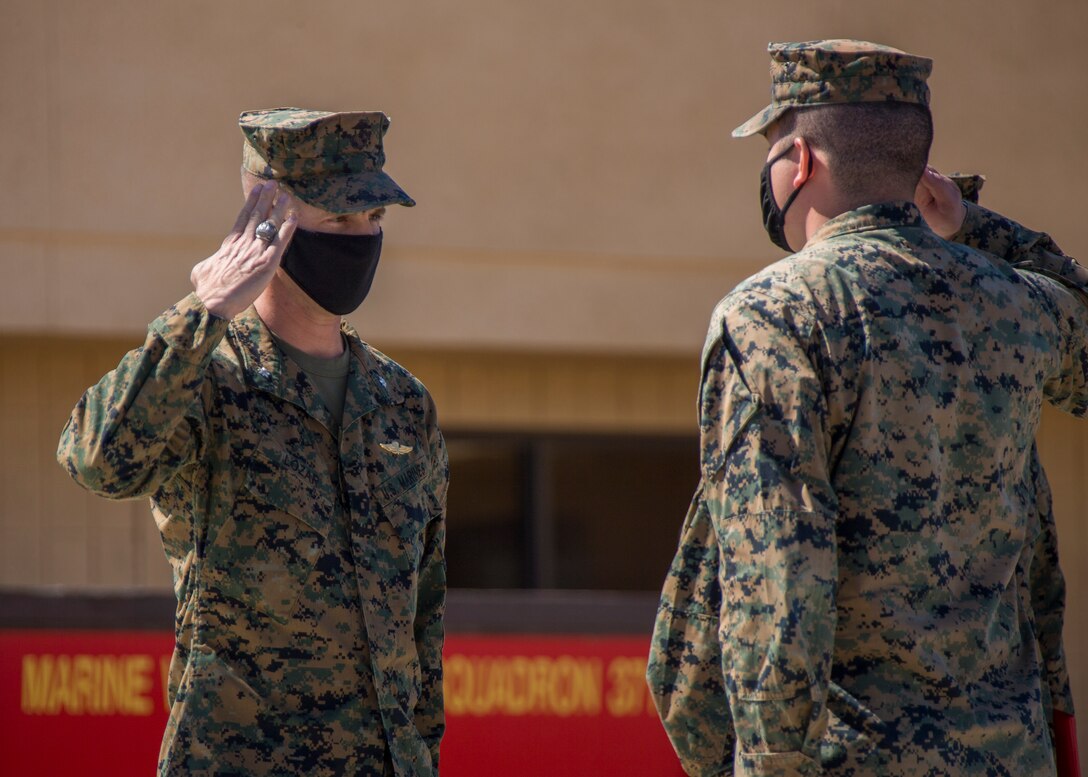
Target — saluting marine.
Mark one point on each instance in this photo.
(851, 594)
(297, 475)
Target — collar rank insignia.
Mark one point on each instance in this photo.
(396, 448)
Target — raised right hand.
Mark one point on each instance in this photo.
(941, 203)
(229, 280)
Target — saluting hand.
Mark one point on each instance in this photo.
(941, 203)
(229, 280)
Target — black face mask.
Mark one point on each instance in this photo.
(774, 217)
(334, 270)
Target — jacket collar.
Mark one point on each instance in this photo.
(883, 215)
(371, 382)
(268, 369)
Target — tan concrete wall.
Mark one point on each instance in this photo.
(529, 133)
(578, 191)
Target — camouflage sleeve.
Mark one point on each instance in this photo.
(142, 422)
(768, 493)
(1001, 236)
(431, 605)
(1021, 247)
(1047, 586)
(1066, 386)
(684, 672)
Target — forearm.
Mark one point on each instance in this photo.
(999, 235)
(778, 625)
(684, 672)
(134, 429)
(1021, 247)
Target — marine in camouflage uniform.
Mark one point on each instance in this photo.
(307, 548)
(851, 594)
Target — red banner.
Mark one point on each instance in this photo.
(526, 705)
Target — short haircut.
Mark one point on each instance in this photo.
(869, 145)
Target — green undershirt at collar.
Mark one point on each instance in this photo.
(329, 376)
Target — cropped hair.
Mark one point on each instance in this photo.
(869, 145)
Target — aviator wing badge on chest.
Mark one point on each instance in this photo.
(397, 448)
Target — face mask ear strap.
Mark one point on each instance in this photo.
(780, 154)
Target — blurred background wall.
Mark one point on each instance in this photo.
(581, 209)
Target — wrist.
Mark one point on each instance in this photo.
(217, 306)
(190, 328)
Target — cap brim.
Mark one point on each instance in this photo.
(352, 193)
(759, 123)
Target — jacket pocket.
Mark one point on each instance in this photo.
(214, 725)
(265, 552)
(401, 501)
(852, 732)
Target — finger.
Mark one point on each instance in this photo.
(288, 228)
(243, 215)
(283, 239)
(264, 202)
(271, 251)
(279, 208)
(257, 246)
(932, 181)
(939, 179)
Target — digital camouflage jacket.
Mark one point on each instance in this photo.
(309, 570)
(851, 594)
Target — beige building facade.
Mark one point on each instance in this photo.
(581, 207)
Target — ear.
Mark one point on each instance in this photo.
(805, 159)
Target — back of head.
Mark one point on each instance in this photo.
(871, 148)
(865, 105)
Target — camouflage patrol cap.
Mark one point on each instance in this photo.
(824, 72)
(330, 160)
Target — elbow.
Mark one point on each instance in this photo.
(86, 470)
(80, 460)
(88, 463)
